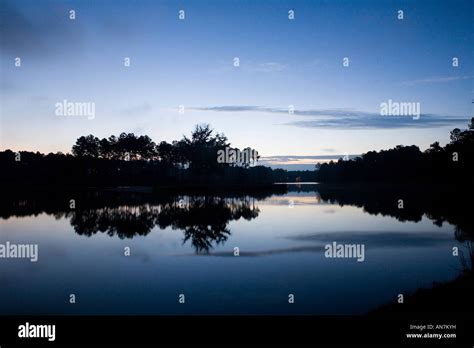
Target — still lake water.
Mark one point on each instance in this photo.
(185, 245)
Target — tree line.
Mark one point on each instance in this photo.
(203, 145)
(453, 163)
(129, 159)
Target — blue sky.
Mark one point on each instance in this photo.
(190, 62)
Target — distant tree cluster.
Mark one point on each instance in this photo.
(129, 159)
(199, 152)
(451, 163)
(124, 147)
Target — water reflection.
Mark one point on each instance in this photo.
(204, 220)
(281, 249)
(440, 204)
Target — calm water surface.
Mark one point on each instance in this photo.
(185, 245)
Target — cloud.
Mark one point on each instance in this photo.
(346, 118)
(438, 79)
(375, 121)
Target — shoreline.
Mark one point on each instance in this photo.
(451, 296)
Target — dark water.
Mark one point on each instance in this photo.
(184, 244)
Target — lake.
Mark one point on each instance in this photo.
(185, 244)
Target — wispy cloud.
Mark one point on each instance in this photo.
(375, 121)
(346, 118)
(436, 79)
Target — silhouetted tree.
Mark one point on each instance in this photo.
(88, 146)
(172, 154)
(434, 148)
(453, 163)
(201, 149)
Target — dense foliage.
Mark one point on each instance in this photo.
(451, 163)
(128, 159)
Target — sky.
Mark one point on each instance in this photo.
(282, 62)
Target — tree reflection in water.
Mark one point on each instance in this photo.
(203, 219)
